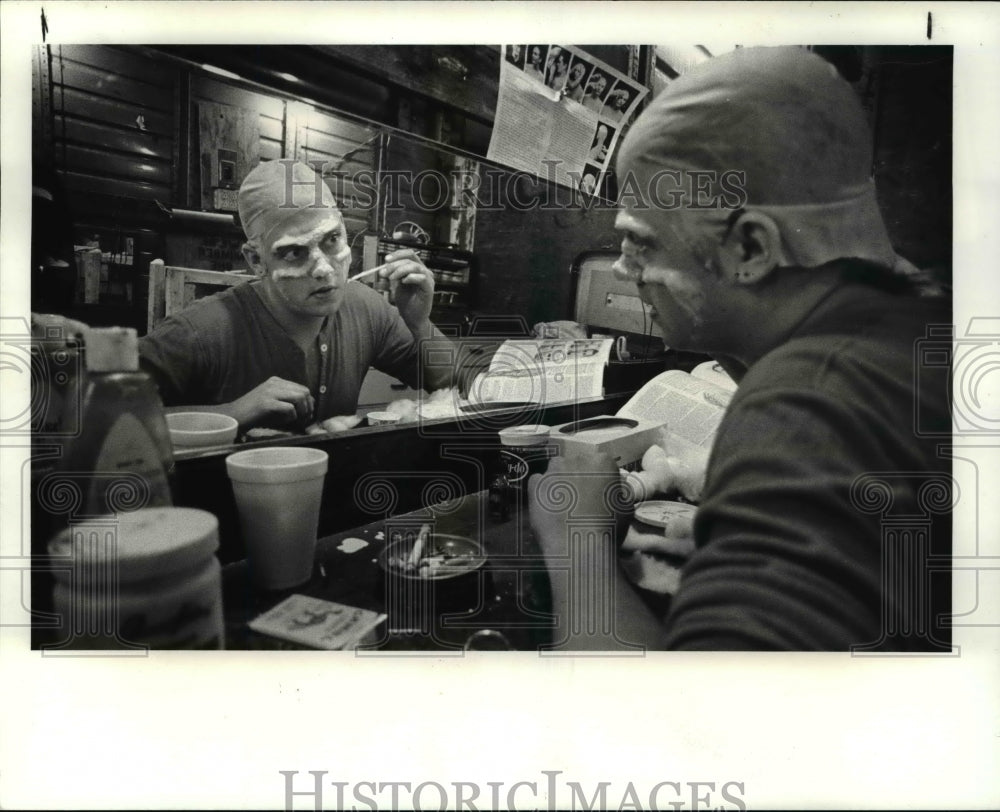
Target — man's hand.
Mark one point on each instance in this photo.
(413, 294)
(673, 464)
(578, 509)
(274, 402)
(584, 486)
(412, 286)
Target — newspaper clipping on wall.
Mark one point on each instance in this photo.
(560, 114)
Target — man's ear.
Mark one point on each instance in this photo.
(751, 248)
(253, 260)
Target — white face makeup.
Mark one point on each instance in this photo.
(658, 256)
(305, 267)
(297, 255)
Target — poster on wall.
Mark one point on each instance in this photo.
(560, 113)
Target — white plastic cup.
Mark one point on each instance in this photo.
(278, 494)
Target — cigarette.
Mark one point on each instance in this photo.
(369, 272)
(418, 546)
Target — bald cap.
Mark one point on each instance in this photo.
(274, 191)
(785, 118)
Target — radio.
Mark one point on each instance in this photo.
(454, 270)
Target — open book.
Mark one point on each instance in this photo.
(544, 371)
(686, 404)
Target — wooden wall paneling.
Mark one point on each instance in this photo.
(182, 91)
(94, 211)
(352, 131)
(462, 76)
(96, 79)
(122, 61)
(270, 150)
(123, 189)
(234, 129)
(100, 136)
(96, 161)
(344, 148)
(206, 89)
(125, 115)
(271, 138)
(41, 106)
(334, 145)
(273, 129)
(270, 134)
(114, 145)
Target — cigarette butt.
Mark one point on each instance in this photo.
(418, 546)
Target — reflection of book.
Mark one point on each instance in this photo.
(688, 406)
(544, 371)
(317, 623)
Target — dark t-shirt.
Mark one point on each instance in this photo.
(824, 522)
(222, 346)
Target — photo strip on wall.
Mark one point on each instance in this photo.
(561, 113)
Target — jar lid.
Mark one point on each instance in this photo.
(524, 435)
(145, 543)
(112, 349)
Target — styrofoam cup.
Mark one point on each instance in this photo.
(278, 493)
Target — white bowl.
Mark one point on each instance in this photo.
(192, 429)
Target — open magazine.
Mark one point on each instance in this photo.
(688, 404)
(544, 371)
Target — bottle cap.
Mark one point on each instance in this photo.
(142, 544)
(112, 349)
(517, 436)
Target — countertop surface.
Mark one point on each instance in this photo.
(510, 594)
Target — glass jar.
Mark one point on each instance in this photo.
(524, 450)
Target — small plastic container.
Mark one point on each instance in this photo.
(145, 579)
(524, 450)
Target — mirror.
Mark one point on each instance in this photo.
(181, 130)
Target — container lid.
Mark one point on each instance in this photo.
(524, 435)
(145, 543)
(112, 349)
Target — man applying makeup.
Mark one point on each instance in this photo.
(293, 346)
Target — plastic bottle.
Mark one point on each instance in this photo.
(121, 457)
(56, 358)
(57, 383)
